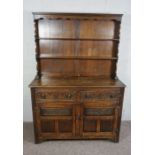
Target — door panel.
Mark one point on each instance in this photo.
(106, 125)
(89, 125)
(99, 120)
(47, 126)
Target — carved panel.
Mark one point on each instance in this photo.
(47, 126)
(99, 95)
(56, 112)
(65, 126)
(89, 125)
(98, 111)
(106, 125)
(52, 95)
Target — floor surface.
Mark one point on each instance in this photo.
(78, 147)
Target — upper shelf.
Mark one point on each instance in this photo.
(85, 39)
(95, 16)
(48, 56)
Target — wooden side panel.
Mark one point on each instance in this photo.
(35, 117)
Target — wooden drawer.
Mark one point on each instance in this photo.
(44, 94)
(104, 94)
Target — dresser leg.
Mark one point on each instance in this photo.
(37, 140)
(116, 139)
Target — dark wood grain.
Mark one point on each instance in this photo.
(76, 93)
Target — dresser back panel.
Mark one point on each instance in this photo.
(57, 67)
(77, 48)
(82, 29)
(69, 67)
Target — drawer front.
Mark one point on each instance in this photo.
(54, 95)
(104, 94)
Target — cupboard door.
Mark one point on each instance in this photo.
(99, 120)
(57, 120)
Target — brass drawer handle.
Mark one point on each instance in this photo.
(68, 96)
(111, 96)
(43, 96)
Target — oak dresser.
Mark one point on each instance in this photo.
(76, 93)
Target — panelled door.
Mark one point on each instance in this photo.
(57, 120)
(100, 113)
(98, 120)
(55, 110)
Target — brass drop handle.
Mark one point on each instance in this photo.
(69, 96)
(43, 96)
(111, 96)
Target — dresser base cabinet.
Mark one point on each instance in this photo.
(77, 113)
